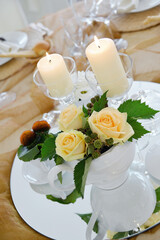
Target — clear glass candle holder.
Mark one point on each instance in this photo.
(97, 87)
(52, 116)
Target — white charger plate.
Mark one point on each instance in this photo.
(145, 5)
(19, 38)
(54, 220)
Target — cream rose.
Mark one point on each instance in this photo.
(110, 123)
(70, 118)
(71, 145)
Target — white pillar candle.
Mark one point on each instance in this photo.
(107, 66)
(55, 75)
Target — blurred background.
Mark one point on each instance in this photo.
(23, 12)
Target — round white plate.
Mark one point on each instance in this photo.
(54, 220)
(19, 38)
(145, 5)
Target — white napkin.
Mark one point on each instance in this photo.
(6, 46)
(124, 6)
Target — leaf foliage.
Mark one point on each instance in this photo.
(80, 175)
(26, 154)
(101, 103)
(71, 198)
(48, 149)
(137, 110)
(138, 129)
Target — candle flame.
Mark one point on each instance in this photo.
(48, 57)
(96, 41)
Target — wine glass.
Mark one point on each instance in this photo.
(52, 116)
(6, 98)
(74, 36)
(99, 88)
(89, 10)
(100, 11)
(79, 29)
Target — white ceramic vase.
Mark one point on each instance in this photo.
(109, 170)
(118, 197)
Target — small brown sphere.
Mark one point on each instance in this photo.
(41, 126)
(27, 137)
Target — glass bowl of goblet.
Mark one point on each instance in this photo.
(68, 91)
(116, 98)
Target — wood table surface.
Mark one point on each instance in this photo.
(17, 76)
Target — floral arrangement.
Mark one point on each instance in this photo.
(85, 133)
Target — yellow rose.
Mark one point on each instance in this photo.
(71, 145)
(110, 123)
(70, 118)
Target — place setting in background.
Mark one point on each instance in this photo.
(22, 48)
(12, 42)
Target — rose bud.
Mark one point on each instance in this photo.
(41, 126)
(70, 118)
(27, 137)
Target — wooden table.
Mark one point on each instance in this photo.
(30, 104)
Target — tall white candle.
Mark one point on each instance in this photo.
(107, 66)
(55, 74)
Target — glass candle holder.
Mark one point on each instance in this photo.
(97, 87)
(52, 116)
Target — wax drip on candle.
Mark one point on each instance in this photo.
(48, 57)
(96, 41)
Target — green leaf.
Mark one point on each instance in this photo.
(58, 159)
(26, 154)
(120, 235)
(86, 217)
(48, 149)
(90, 149)
(137, 110)
(131, 232)
(157, 207)
(38, 155)
(101, 103)
(138, 129)
(59, 175)
(40, 138)
(85, 111)
(80, 175)
(85, 123)
(158, 193)
(69, 199)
